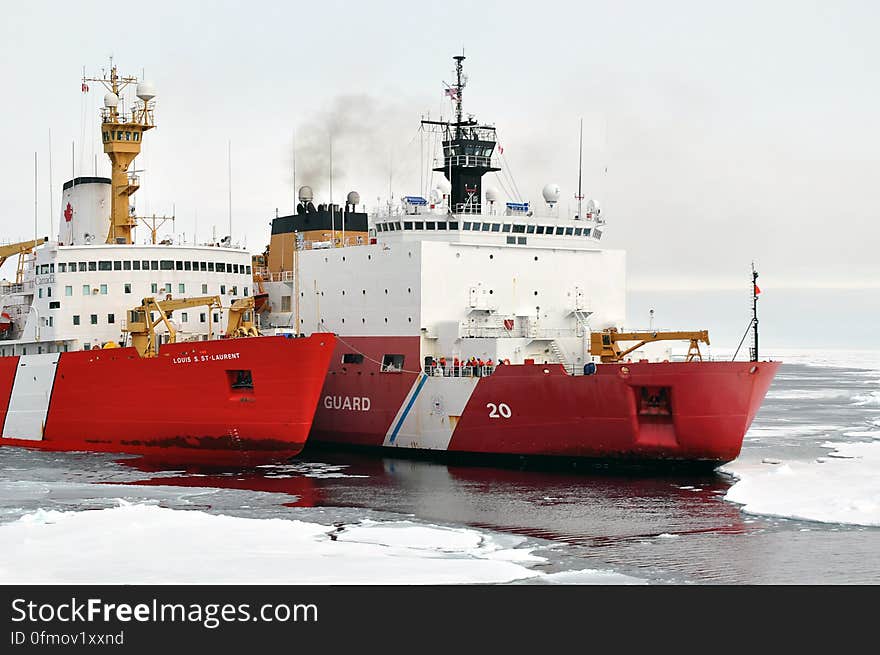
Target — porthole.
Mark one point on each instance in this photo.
(343, 258)
(491, 256)
(491, 292)
(409, 319)
(458, 254)
(536, 293)
(386, 319)
(409, 290)
(536, 258)
(343, 320)
(325, 260)
(343, 292)
(364, 291)
(369, 256)
(386, 292)
(363, 320)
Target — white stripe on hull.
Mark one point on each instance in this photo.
(31, 392)
(428, 420)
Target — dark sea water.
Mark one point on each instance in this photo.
(658, 528)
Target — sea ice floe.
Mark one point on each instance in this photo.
(843, 487)
(147, 544)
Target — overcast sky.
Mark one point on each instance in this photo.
(729, 131)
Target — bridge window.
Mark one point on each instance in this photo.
(82, 267)
(430, 225)
(93, 266)
(467, 225)
(496, 227)
(154, 265)
(222, 289)
(577, 231)
(530, 229)
(587, 231)
(62, 268)
(419, 225)
(511, 240)
(166, 265)
(506, 227)
(569, 231)
(519, 229)
(87, 290)
(187, 266)
(453, 225)
(68, 291)
(220, 267)
(104, 266)
(76, 319)
(203, 317)
(211, 267)
(178, 265)
(72, 267)
(93, 319)
(55, 304)
(407, 225)
(126, 265)
(111, 318)
(127, 287)
(184, 317)
(521, 241)
(441, 225)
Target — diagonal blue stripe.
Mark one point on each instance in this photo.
(408, 407)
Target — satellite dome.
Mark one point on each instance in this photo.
(110, 100)
(305, 194)
(491, 194)
(444, 185)
(591, 207)
(436, 195)
(353, 198)
(145, 91)
(550, 193)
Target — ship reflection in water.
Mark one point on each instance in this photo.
(603, 517)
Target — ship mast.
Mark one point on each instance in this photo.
(468, 147)
(122, 134)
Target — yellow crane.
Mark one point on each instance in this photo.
(603, 344)
(21, 249)
(143, 320)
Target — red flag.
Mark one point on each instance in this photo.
(757, 290)
(500, 149)
(85, 88)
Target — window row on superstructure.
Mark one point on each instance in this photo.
(155, 287)
(477, 226)
(145, 265)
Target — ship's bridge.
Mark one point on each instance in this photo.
(516, 225)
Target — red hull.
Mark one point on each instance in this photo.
(187, 405)
(707, 408)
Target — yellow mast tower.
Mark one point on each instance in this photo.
(122, 134)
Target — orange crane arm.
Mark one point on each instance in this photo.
(604, 344)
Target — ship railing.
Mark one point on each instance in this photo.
(495, 331)
(476, 161)
(281, 276)
(13, 287)
(452, 371)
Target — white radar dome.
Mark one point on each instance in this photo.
(491, 194)
(145, 91)
(110, 100)
(305, 194)
(354, 198)
(444, 185)
(551, 193)
(590, 206)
